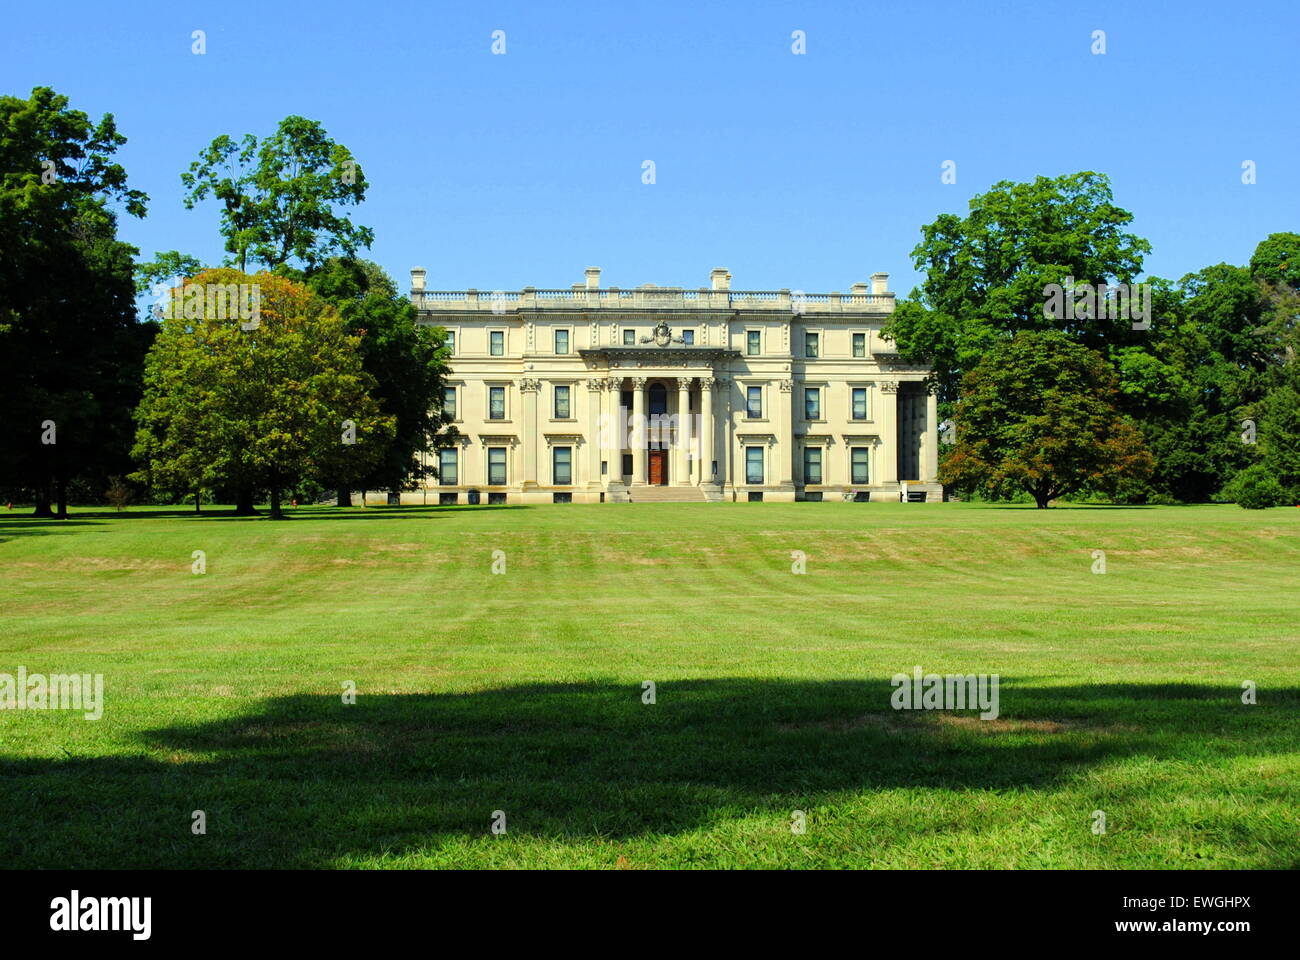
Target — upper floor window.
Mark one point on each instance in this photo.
(859, 345)
(688, 337)
(812, 403)
(561, 341)
(629, 338)
(754, 403)
(859, 403)
(561, 402)
(753, 342)
(811, 342)
(450, 341)
(497, 343)
(496, 403)
(449, 401)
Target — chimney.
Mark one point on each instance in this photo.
(720, 278)
(417, 278)
(593, 278)
(879, 283)
(858, 290)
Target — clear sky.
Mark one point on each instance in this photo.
(801, 171)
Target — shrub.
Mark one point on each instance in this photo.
(1256, 488)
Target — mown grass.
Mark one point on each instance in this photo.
(522, 692)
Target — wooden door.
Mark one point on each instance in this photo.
(658, 467)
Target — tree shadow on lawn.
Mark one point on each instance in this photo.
(308, 781)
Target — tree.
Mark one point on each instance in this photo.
(407, 360)
(70, 346)
(986, 274)
(278, 197)
(1040, 414)
(262, 403)
(1277, 260)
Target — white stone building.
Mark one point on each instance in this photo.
(595, 394)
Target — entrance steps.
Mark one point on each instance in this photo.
(667, 494)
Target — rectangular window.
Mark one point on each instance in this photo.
(812, 464)
(625, 399)
(753, 342)
(447, 468)
(496, 403)
(448, 499)
(859, 344)
(449, 401)
(561, 498)
(497, 341)
(859, 403)
(562, 465)
(812, 403)
(753, 464)
(861, 457)
(688, 337)
(810, 343)
(754, 403)
(450, 342)
(755, 496)
(561, 403)
(496, 467)
(629, 338)
(561, 341)
(496, 499)
(627, 464)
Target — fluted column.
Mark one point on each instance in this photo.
(888, 465)
(638, 434)
(528, 432)
(706, 445)
(614, 430)
(594, 393)
(784, 472)
(930, 440)
(681, 471)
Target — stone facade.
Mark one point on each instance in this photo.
(598, 394)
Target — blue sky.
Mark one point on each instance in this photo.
(802, 171)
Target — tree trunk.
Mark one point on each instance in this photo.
(197, 494)
(344, 497)
(276, 512)
(42, 495)
(61, 486)
(244, 504)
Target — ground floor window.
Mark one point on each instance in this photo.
(561, 498)
(496, 466)
(813, 497)
(812, 464)
(447, 464)
(562, 465)
(448, 499)
(753, 464)
(756, 496)
(861, 458)
(497, 498)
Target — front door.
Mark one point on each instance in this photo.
(658, 467)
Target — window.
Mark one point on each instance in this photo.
(561, 403)
(859, 403)
(754, 403)
(625, 399)
(562, 465)
(859, 344)
(448, 499)
(561, 341)
(450, 342)
(496, 498)
(688, 337)
(496, 403)
(561, 498)
(629, 338)
(496, 467)
(753, 342)
(812, 464)
(813, 497)
(497, 343)
(447, 468)
(860, 457)
(810, 343)
(755, 496)
(627, 464)
(753, 464)
(449, 401)
(812, 403)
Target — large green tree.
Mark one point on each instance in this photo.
(70, 343)
(260, 403)
(1040, 414)
(280, 197)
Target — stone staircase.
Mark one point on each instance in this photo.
(668, 494)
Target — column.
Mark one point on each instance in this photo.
(930, 440)
(638, 438)
(783, 469)
(592, 470)
(887, 465)
(529, 435)
(681, 471)
(706, 445)
(612, 444)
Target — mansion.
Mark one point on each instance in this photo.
(597, 394)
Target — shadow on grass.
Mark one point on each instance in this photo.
(307, 781)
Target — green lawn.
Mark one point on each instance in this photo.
(522, 692)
